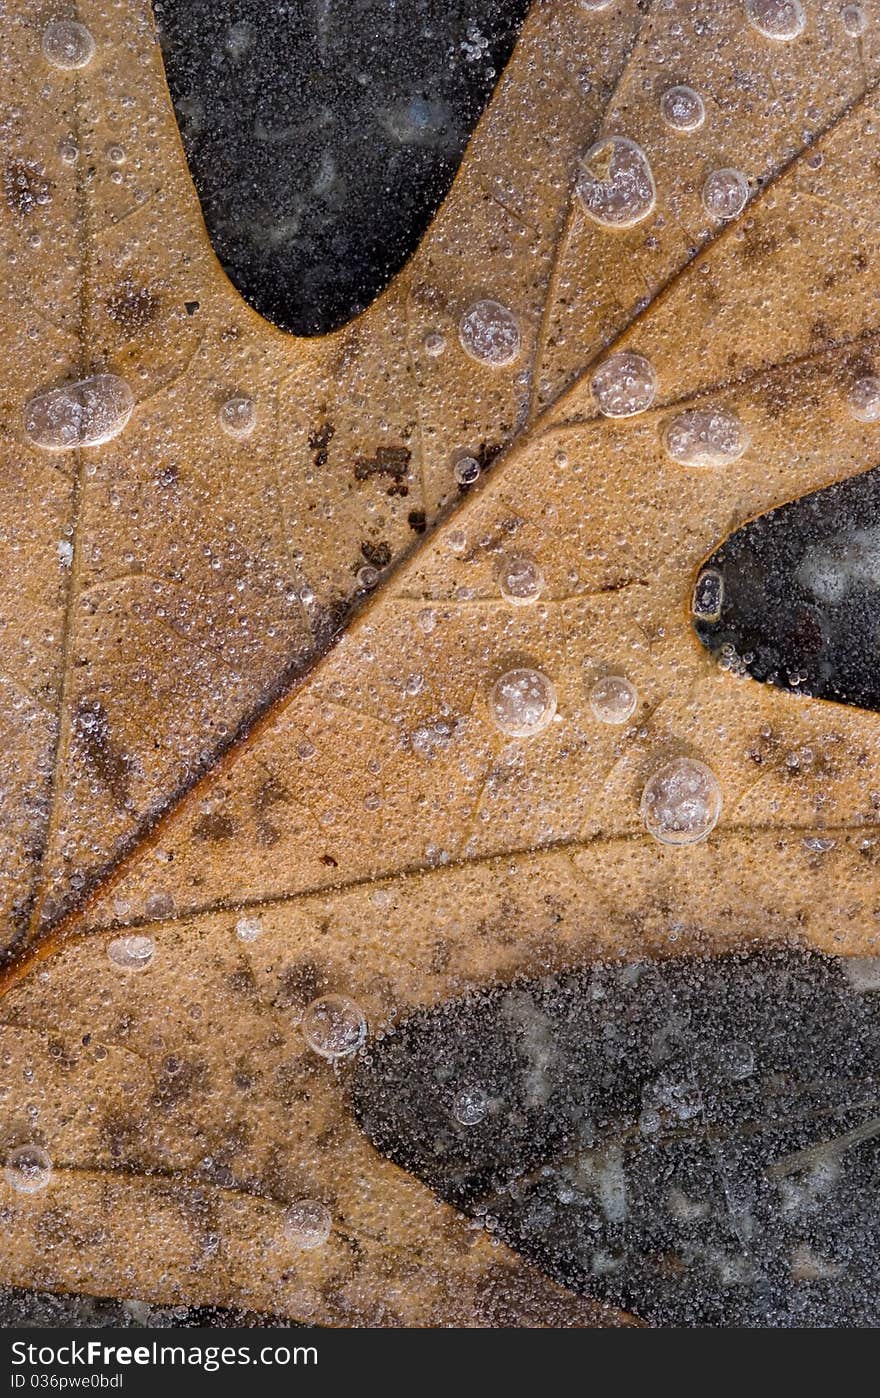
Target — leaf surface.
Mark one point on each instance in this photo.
(375, 833)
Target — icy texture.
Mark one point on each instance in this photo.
(694, 1140)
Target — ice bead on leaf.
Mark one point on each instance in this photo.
(705, 437)
(681, 802)
(85, 413)
(334, 1026)
(522, 702)
(68, 45)
(490, 334)
(615, 183)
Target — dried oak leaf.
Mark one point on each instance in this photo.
(183, 747)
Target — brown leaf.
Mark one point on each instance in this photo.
(362, 811)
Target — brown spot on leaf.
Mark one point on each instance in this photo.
(132, 308)
(378, 555)
(214, 826)
(388, 461)
(110, 763)
(319, 442)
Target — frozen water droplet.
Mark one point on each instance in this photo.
(864, 399)
(470, 1106)
(625, 384)
(595, 4)
(615, 183)
(708, 596)
(248, 929)
(308, 1224)
(613, 699)
(334, 1026)
(490, 333)
(367, 577)
(466, 470)
(705, 437)
(82, 414)
(776, 19)
(132, 952)
(434, 343)
(682, 108)
(737, 1060)
(28, 1169)
(67, 44)
(725, 194)
(522, 702)
(681, 802)
(855, 21)
(238, 416)
(520, 580)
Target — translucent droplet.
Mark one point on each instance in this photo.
(367, 577)
(725, 194)
(681, 802)
(855, 21)
(490, 333)
(435, 344)
(615, 183)
(614, 699)
(83, 414)
(248, 929)
(466, 470)
(28, 1169)
(737, 1060)
(776, 19)
(682, 108)
(708, 597)
(470, 1106)
(334, 1026)
(864, 399)
(132, 952)
(625, 384)
(522, 703)
(595, 4)
(520, 580)
(308, 1224)
(67, 44)
(705, 437)
(238, 416)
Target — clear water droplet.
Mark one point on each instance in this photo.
(681, 802)
(624, 385)
(725, 194)
(522, 702)
(308, 1224)
(82, 414)
(470, 1106)
(434, 344)
(705, 437)
(490, 333)
(334, 1026)
(613, 699)
(864, 399)
(28, 1169)
(520, 580)
(132, 952)
(781, 20)
(615, 183)
(67, 44)
(708, 596)
(682, 108)
(238, 416)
